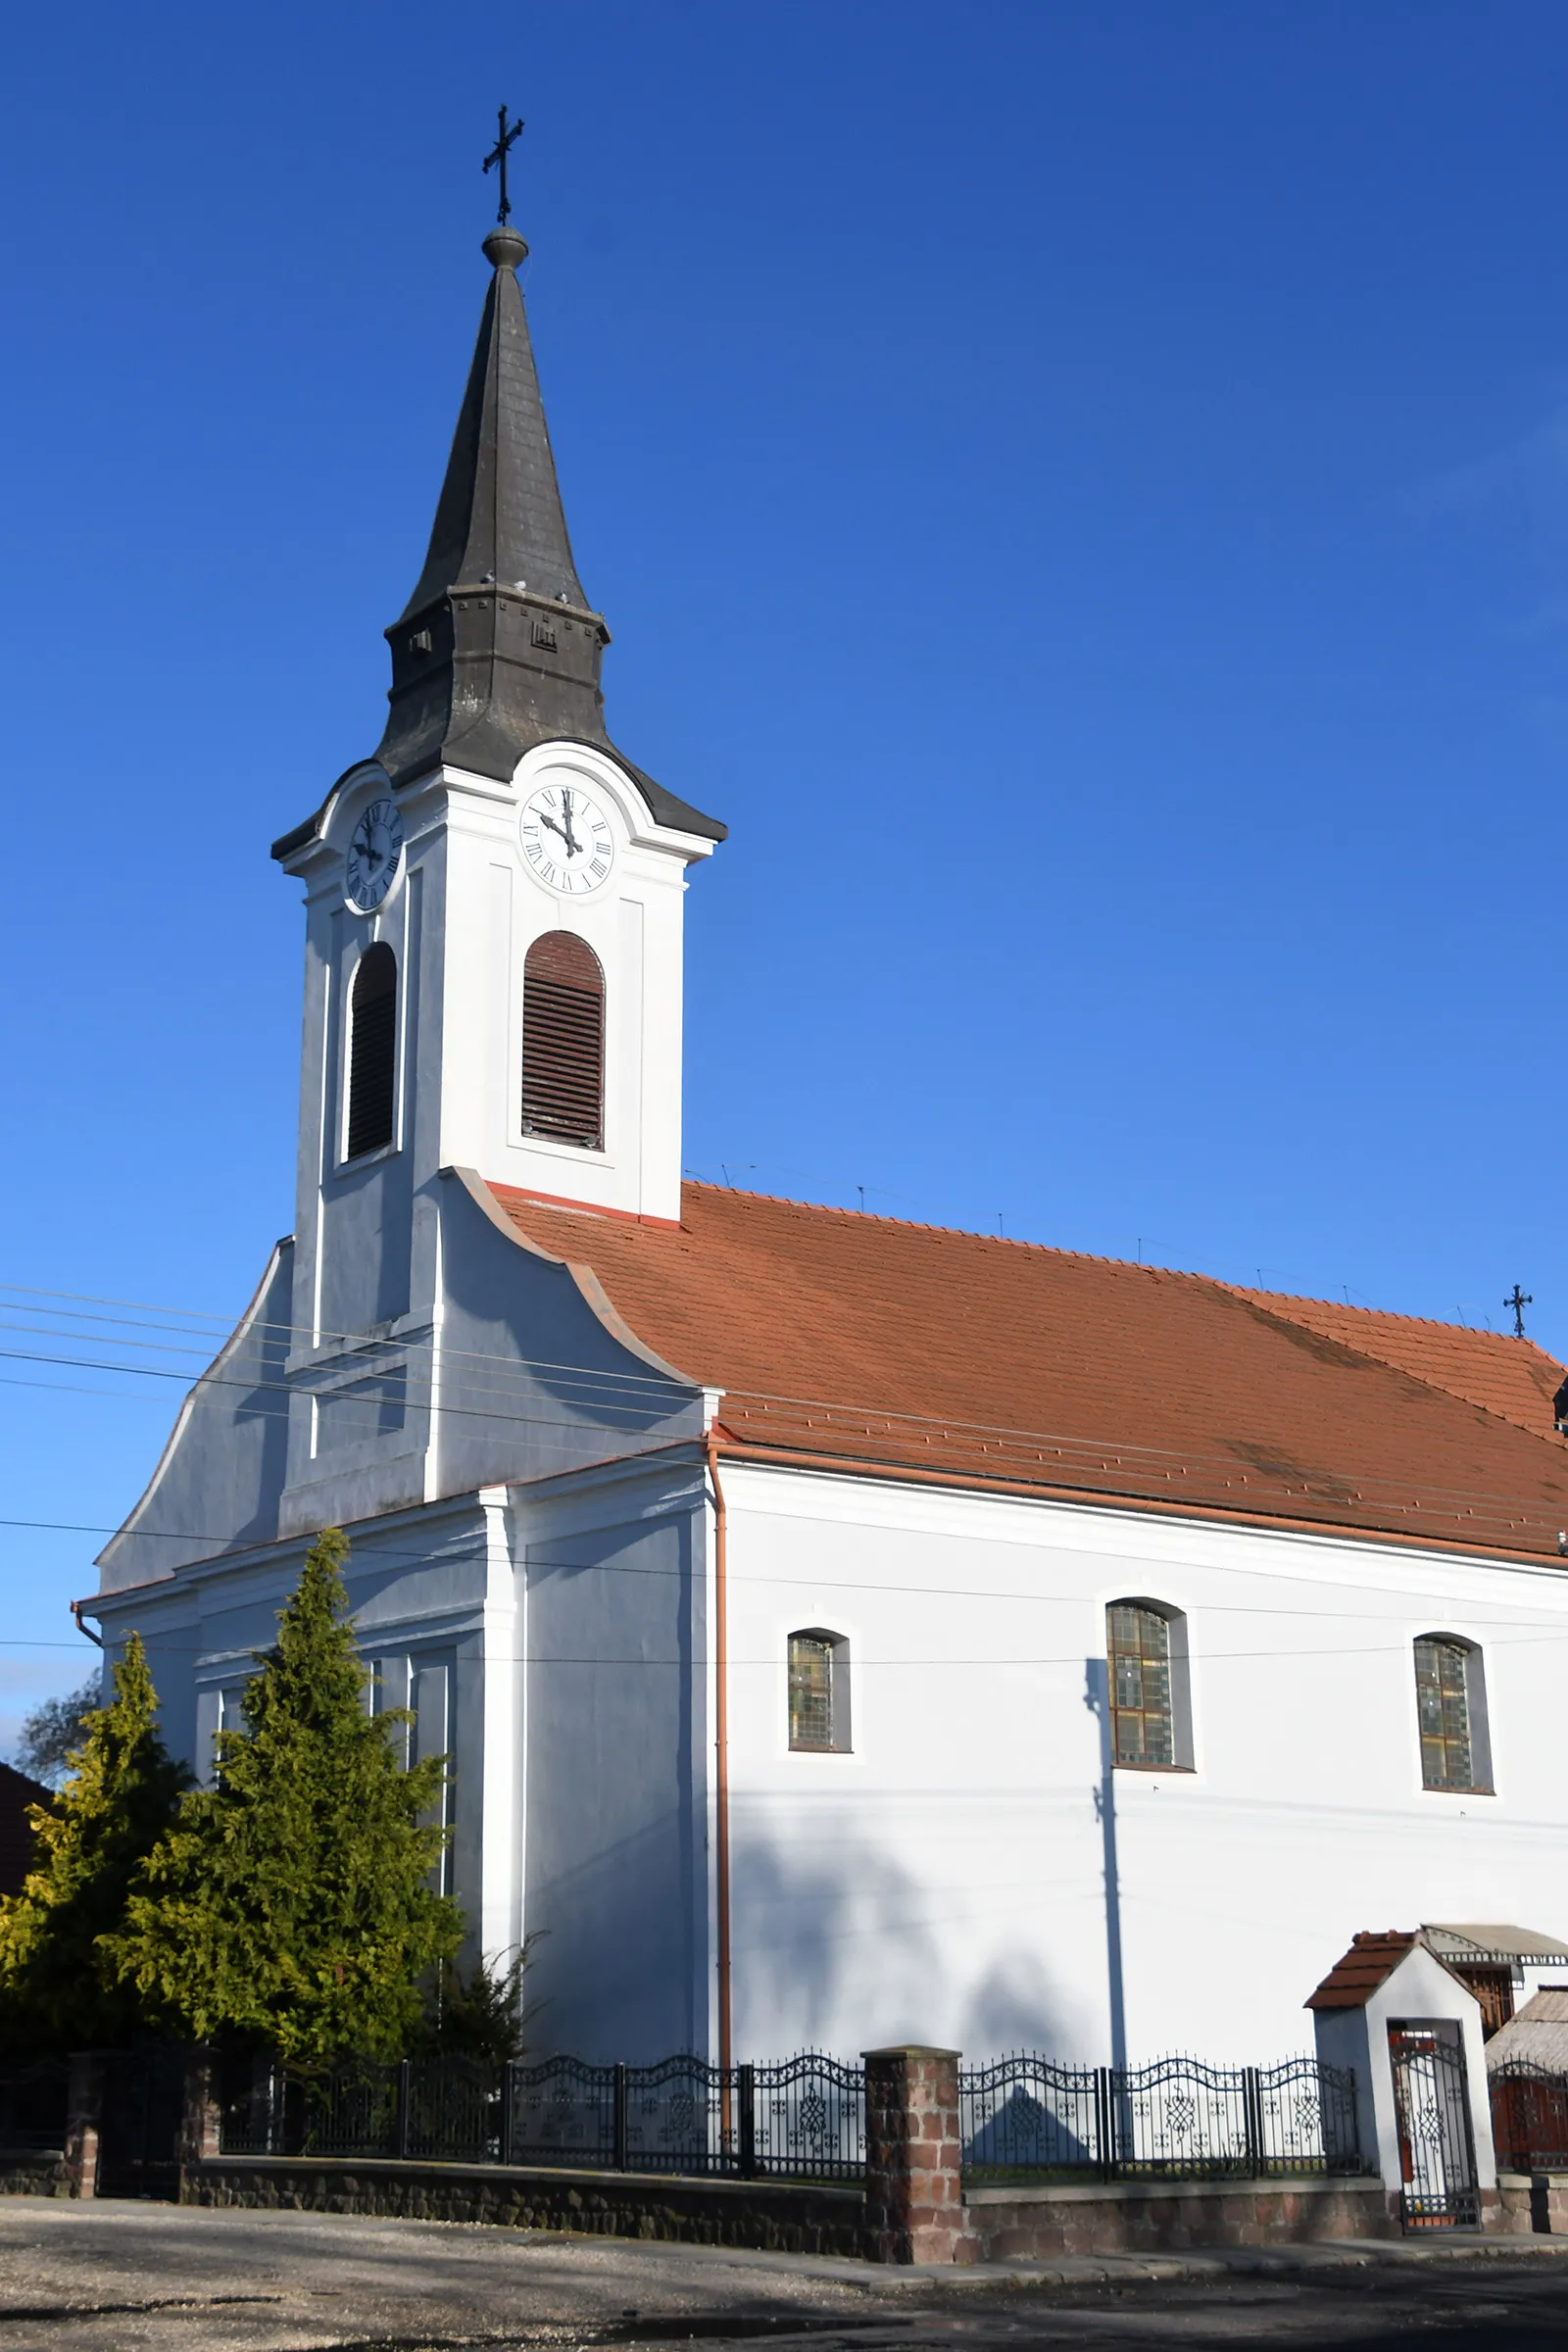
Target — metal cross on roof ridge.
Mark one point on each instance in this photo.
(1519, 1300)
(498, 154)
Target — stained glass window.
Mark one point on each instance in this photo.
(1139, 1642)
(1443, 1710)
(811, 1695)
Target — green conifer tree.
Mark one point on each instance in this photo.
(57, 1988)
(290, 1905)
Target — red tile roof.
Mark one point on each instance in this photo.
(1351, 1980)
(913, 1348)
(1514, 1378)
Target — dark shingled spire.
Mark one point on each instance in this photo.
(497, 649)
(500, 515)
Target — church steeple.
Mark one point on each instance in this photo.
(500, 514)
(497, 649)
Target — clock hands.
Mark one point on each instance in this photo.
(587, 850)
(573, 845)
(364, 843)
(375, 853)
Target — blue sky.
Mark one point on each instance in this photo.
(1080, 485)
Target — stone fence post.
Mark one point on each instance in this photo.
(84, 2110)
(913, 2147)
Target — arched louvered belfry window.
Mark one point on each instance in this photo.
(373, 1050)
(564, 1041)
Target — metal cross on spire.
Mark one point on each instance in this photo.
(498, 154)
(1518, 1302)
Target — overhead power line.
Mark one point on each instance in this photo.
(493, 1386)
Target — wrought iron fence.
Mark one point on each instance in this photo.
(1437, 2146)
(33, 2106)
(1027, 2119)
(807, 2118)
(1528, 2118)
(443, 2110)
(804, 2119)
(1024, 2118)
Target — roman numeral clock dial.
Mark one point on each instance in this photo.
(375, 850)
(567, 838)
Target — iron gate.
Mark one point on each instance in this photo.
(139, 2126)
(1437, 2151)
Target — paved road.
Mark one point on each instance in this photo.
(128, 2278)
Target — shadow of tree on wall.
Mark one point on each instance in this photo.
(1025, 2131)
(1017, 2006)
(837, 1949)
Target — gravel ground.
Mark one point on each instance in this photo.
(117, 2277)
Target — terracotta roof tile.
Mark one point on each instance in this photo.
(1514, 1378)
(1353, 1979)
(910, 1347)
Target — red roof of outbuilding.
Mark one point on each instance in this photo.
(911, 1348)
(1371, 1958)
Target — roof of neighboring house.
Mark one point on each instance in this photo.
(1536, 2035)
(1492, 1943)
(17, 1793)
(910, 1348)
(1356, 1977)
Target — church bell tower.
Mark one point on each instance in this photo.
(494, 898)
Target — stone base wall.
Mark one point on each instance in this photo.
(1127, 2217)
(1532, 2201)
(779, 2217)
(43, 2174)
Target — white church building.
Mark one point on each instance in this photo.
(842, 1631)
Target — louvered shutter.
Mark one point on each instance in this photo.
(564, 1041)
(373, 1050)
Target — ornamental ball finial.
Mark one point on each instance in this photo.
(505, 248)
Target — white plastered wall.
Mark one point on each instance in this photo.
(461, 918)
(945, 1882)
(495, 908)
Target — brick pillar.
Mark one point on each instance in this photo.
(84, 2104)
(201, 2115)
(914, 2190)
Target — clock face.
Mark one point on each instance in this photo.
(375, 851)
(566, 838)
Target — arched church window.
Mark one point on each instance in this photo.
(819, 1691)
(1150, 1703)
(1451, 1701)
(373, 1050)
(564, 1041)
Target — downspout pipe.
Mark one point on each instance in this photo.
(726, 2041)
